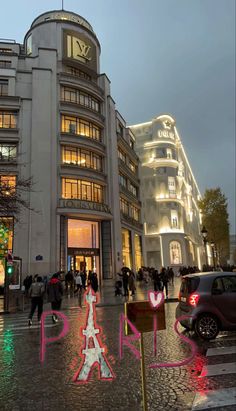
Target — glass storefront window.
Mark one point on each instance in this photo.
(126, 248)
(138, 251)
(83, 234)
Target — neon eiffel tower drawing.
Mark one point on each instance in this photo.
(93, 352)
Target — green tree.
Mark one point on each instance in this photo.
(216, 220)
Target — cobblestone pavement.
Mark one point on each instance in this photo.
(26, 384)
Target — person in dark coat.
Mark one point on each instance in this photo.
(156, 281)
(125, 280)
(94, 282)
(36, 292)
(55, 293)
(165, 280)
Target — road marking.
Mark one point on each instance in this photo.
(213, 399)
(221, 351)
(218, 369)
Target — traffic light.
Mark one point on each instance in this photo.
(10, 269)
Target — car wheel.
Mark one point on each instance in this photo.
(207, 326)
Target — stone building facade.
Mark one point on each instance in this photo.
(169, 195)
(59, 124)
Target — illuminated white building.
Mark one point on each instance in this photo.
(59, 124)
(169, 194)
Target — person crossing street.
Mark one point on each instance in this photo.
(55, 293)
(36, 292)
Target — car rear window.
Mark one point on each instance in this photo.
(189, 285)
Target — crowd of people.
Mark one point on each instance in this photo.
(39, 289)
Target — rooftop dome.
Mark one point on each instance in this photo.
(63, 15)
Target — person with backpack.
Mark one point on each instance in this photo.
(55, 293)
(36, 292)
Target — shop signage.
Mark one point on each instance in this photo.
(142, 315)
(83, 251)
(78, 49)
(85, 205)
(166, 134)
(60, 15)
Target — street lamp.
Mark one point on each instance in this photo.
(204, 236)
(213, 253)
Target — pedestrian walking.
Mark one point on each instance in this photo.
(131, 281)
(79, 287)
(125, 279)
(27, 283)
(94, 282)
(165, 280)
(55, 293)
(36, 292)
(156, 281)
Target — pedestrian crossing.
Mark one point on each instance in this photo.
(223, 397)
(18, 323)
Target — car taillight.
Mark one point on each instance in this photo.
(193, 299)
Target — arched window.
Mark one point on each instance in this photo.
(175, 253)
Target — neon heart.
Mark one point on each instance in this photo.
(156, 298)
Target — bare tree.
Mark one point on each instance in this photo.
(12, 196)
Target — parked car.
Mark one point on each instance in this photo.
(210, 300)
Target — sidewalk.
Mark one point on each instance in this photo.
(107, 295)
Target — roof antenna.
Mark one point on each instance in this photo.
(62, 4)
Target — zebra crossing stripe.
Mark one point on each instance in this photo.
(221, 351)
(214, 399)
(218, 369)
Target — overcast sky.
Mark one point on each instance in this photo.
(164, 56)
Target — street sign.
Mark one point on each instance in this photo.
(141, 315)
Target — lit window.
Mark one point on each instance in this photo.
(171, 186)
(168, 153)
(82, 190)
(8, 119)
(132, 166)
(175, 253)
(7, 185)
(121, 155)
(81, 158)
(75, 125)
(174, 219)
(7, 152)
(29, 45)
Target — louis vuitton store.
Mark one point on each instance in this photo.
(65, 128)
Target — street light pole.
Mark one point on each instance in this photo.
(213, 253)
(204, 236)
